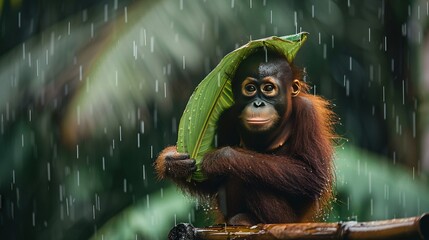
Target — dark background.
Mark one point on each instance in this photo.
(91, 91)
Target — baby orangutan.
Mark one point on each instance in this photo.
(273, 163)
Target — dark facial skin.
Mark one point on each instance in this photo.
(262, 89)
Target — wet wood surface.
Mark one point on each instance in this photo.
(403, 228)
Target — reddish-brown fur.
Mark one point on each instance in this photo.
(291, 183)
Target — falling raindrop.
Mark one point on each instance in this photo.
(61, 192)
(120, 133)
(143, 39)
(105, 13)
(147, 201)
(7, 111)
(116, 78)
(93, 211)
(13, 177)
(396, 123)
(385, 43)
(84, 15)
(77, 151)
(152, 44)
(427, 8)
(67, 207)
(17, 198)
(418, 12)
(156, 86)
(370, 182)
(23, 51)
(404, 29)
(48, 168)
(183, 62)
(126, 14)
(350, 63)
(312, 11)
(97, 202)
(80, 73)
(384, 111)
(37, 67)
(394, 158)
(414, 124)
(135, 50)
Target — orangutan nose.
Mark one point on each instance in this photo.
(258, 104)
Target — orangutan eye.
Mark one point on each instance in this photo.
(249, 90)
(269, 90)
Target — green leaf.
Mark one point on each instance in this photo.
(197, 127)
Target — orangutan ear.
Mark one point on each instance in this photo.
(296, 88)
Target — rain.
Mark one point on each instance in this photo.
(92, 91)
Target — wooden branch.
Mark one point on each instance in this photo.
(404, 228)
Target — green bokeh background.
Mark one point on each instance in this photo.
(91, 91)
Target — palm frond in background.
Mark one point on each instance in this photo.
(88, 99)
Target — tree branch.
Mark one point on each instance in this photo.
(404, 228)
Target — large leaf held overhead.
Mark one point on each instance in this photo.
(197, 128)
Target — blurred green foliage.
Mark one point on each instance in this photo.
(91, 91)
(370, 188)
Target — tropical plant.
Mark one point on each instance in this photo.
(197, 128)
